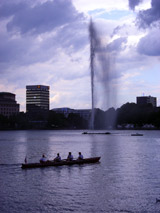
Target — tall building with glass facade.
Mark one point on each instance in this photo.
(37, 98)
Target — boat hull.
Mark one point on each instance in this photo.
(61, 163)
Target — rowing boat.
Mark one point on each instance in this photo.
(61, 163)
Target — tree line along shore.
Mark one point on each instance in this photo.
(128, 116)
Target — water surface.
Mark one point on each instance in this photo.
(126, 180)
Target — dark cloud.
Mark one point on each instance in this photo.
(134, 3)
(73, 39)
(117, 45)
(27, 47)
(29, 50)
(150, 44)
(24, 50)
(8, 8)
(150, 16)
(39, 18)
(9, 49)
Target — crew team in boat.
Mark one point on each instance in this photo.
(46, 163)
(58, 157)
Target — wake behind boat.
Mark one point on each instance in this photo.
(61, 163)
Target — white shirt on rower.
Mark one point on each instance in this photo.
(43, 159)
(80, 156)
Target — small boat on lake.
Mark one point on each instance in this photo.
(96, 133)
(137, 134)
(61, 163)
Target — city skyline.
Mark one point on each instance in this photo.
(54, 50)
(39, 95)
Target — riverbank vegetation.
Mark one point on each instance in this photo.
(128, 116)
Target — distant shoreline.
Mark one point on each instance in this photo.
(122, 129)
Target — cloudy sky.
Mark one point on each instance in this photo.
(47, 42)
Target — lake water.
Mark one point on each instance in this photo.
(126, 180)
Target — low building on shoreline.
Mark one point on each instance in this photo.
(143, 100)
(8, 104)
(84, 113)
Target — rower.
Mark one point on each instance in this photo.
(80, 157)
(58, 158)
(70, 157)
(43, 159)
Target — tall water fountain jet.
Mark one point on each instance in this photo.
(92, 55)
(103, 92)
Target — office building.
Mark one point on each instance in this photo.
(8, 104)
(84, 113)
(37, 98)
(143, 100)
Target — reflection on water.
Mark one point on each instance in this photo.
(126, 180)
